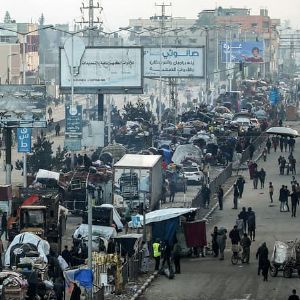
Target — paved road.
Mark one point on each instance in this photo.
(211, 279)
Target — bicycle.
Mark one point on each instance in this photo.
(236, 255)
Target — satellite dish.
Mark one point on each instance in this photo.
(78, 51)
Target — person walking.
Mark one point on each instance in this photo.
(262, 178)
(57, 129)
(294, 295)
(156, 253)
(246, 243)
(268, 145)
(176, 257)
(294, 200)
(282, 198)
(234, 235)
(240, 185)
(235, 196)
(4, 225)
(265, 269)
(243, 215)
(205, 191)
(262, 256)
(286, 197)
(281, 142)
(1, 254)
(285, 142)
(271, 191)
(251, 223)
(251, 151)
(255, 179)
(293, 165)
(221, 239)
(220, 197)
(214, 242)
(50, 112)
(172, 187)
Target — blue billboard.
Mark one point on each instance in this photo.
(24, 139)
(247, 52)
(73, 119)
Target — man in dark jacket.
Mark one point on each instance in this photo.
(240, 184)
(294, 200)
(205, 195)
(251, 223)
(234, 235)
(220, 197)
(262, 256)
(235, 196)
(246, 243)
(243, 215)
(282, 197)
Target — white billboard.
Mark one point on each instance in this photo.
(177, 62)
(104, 70)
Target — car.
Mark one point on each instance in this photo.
(193, 174)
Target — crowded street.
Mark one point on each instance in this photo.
(149, 151)
(209, 278)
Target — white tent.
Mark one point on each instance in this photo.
(28, 238)
(285, 131)
(166, 214)
(102, 231)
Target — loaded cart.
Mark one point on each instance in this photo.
(285, 258)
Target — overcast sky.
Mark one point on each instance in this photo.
(117, 12)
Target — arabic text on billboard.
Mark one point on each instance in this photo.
(23, 106)
(73, 118)
(177, 62)
(24, 139)
(105, 69)
(248, 52)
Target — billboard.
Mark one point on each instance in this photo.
(104, 70)
(177, 62)
(24, 140)
(73, 115)
(23, 106)
(248, 52)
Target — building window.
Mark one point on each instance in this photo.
(266, 25)
(253, 24)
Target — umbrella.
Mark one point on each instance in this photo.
(286, 131)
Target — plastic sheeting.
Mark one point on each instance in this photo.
(29, 238)
(166, 214)
(186, 151)
(47, 174)
(195, 233)
(166, 230)
(102, 231)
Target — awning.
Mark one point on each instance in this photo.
(285, 131)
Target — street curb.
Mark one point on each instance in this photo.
(144, 286)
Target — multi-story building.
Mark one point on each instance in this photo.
(11, 44)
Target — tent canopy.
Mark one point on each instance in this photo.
(285, 131)
(166, 214)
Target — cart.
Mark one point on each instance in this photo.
(285, 258)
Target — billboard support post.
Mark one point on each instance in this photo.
(8, 155)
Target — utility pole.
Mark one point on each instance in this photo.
(162, 18)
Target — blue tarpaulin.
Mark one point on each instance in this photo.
(165, 230)
(83, 276)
